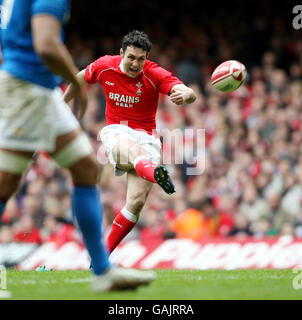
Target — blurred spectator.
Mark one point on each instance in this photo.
(263, 228)
(189, 224)
(31, 205)
(55, 230)
(254, 207)
(11, 212)
(26, 231)
(196, 224)
(241, 226)
(287, 229)
(6, 234)
(157, 226)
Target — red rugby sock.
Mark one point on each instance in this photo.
(145, 168)
(121, 226)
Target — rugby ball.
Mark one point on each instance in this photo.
(228, 76)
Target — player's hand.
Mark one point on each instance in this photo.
(81, 98)
(181, 94)
(178, 97)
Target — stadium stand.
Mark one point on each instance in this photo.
(252, 184)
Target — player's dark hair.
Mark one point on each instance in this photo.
(136, 39)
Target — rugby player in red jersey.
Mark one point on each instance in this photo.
(132, 85)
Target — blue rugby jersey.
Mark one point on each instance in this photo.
(19, 57)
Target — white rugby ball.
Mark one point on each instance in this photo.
(228, 76)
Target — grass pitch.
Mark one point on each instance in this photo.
(169, 285)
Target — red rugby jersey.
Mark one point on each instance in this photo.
(131, 100)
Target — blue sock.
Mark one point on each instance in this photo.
(88, 212)
(2, 207)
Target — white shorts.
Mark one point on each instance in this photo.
(31, 116)
(111, 134)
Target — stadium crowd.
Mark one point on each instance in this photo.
(252, 182)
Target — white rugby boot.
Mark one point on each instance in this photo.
(117, 278)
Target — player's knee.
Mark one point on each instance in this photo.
(86, 171)
(75, 150)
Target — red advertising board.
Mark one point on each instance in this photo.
(222, 253)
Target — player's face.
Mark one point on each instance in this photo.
(133, 60)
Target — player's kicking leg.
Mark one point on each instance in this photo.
(133, 157)
(73, 151)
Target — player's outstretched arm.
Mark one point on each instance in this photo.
(181, 94)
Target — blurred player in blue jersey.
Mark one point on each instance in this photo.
(33, 116)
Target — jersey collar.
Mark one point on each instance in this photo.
(122, 67)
